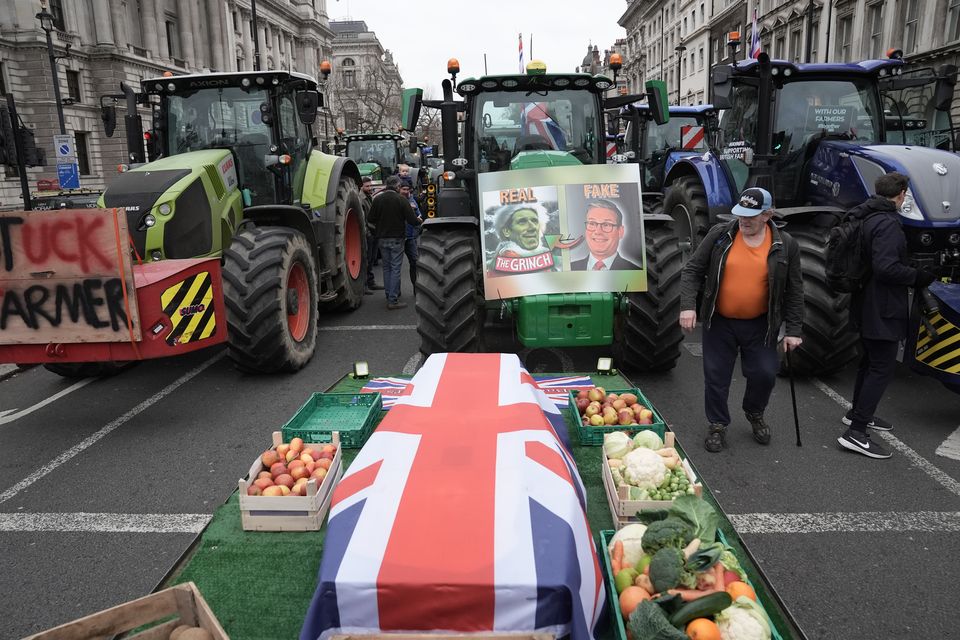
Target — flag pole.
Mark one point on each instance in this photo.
(484, 64)
(531, 45)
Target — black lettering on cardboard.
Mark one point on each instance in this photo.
(35, 297)
(113, 289)
(92, 301)
(6, 243)
(63, 299)
(13, 306)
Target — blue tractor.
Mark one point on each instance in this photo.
(817, 136)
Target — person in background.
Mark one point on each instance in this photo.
(412, 232)
(389, 214)
(880, 310)
(746, 273)
(366, 201)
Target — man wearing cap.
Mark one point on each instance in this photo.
(746, 275)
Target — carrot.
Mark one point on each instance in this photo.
(691, 594)
(718, 572)
(617, 557)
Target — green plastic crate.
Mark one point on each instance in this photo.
(593, 436)
(619, 629)
(352, 414)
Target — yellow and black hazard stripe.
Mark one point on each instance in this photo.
(942, 353)
(189, 305)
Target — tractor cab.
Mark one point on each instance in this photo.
(376, 154)
(910, 101)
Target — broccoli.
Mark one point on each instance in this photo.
(648, 621)
(667, 570)
(669, 532)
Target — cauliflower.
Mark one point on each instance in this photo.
(644, 468)
(630, 536)
(743, 620)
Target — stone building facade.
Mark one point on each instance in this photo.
(365, 87)
(127, 40)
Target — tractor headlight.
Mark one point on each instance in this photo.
(954, 238)
(910, 209)
(164, 209)
(926, 239)
(156, 255)
(146, 222)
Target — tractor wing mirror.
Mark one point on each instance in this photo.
(720, 87)
(411, 102)
(943, 94)
(108, 113)
(657, 99)
(307, 104)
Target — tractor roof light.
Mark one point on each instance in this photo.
(171, 87)
(453, 66)
(895, 54)
(158, 87)
(561, 82)
(467, 87)
(245, 83)
(510, 83)
(603, 84)
(489, 84)
(775, 71)
(325, 68)
(616, 61)
(733, 37)
(788, 72)
(260, 80)
(449, 175)
(168, 74)
(581, 82)
(536, 68)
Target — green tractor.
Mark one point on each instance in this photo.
(376, 154)
(235, 172)
(453, 315)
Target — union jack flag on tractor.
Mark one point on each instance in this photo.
(464, 512)
(536, 120)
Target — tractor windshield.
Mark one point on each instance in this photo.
(382, 152)
(507, 123)
(910, 113)
(209, 118)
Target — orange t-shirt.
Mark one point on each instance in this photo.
(744, 290)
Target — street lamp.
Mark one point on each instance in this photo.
(679, 49)
(47, 24)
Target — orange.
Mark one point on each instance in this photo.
(703, 629)
(630, 598)
(737, 589)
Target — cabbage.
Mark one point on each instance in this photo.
(616, 444)
(630, 536)
(648, 440)
(743, 620)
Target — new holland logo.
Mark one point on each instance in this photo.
(940, 168)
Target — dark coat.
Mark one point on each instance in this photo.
(703, 271)
(619, 264)
(881, 310)
(390, 214)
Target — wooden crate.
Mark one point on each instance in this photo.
(182, 601)
(622, 509)
(289, 513)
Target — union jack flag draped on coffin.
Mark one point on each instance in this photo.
(463, 512)
(536, 120)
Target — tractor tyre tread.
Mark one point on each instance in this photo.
(349, 290)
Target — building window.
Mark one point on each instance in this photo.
(953, 21)
(173, 39)
(813, 41)
(844, 35)
(3, 82)
(780, 44)
(83, 155)
(56, 9)
(236, 22)
(73, 85)
(239, 64)
(703, 16)
(349, 79)
(700, 66)
(795, 46)
(912, 24)
(875, 22)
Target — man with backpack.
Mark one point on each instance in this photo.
(871, 233)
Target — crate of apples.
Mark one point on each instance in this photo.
(289, 485)
(597, 408)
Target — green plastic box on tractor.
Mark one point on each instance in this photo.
(236, 173)
(453, 315)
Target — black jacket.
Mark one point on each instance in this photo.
(881, 310)
(703, 271)
(390, 214)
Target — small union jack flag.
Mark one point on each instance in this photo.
(536, 120)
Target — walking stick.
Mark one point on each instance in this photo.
(793, 396)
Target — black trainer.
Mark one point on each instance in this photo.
(861, 443)
(761, 430)
(878, 424)
(716, 438)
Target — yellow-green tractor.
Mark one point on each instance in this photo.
(236, 172)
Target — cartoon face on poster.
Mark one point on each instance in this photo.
(562, 230)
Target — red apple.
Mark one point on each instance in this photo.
(625, 416)
(282, 450)
(319, 474)
(254, 490)
(596, 394)
(278, 469)
(291, 455)
(612, 397)
(299, 472)
(592, 409)
(619, 404)
(582, 394)
(310, 466)
(326, 455)
(269, 458)
(263, 483)
(582, 403)
(296, 444)
(285, 479)
(275, 490)
(328, 448)
(305, 457)
(324, 463)
(284, 490)
(265, 474)
(310, 451)
(299, 489)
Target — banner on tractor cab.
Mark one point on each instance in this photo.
(562, 230)
(66, 277)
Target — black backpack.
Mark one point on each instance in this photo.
(848, 266)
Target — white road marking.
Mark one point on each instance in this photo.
(897, 521)
(10, 416)
(946, 481)
(411, 367)
(695, 348)
(96, 437)
(950, 448)
(105, 522)
(370, 327)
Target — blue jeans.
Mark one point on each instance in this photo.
(725, 338)
(391, 251)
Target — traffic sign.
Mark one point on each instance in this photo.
(68, 175)
(64, 146)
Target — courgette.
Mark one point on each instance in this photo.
(703, 607)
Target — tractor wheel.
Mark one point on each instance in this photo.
(270, 290)
(686, 202)
(829, 343)
(349, 269)
(450, 310)
(649, 332)
(87, 369)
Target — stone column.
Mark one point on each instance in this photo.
(291, 60)
(201, 49)
(262, 41)
(278, 49)
(217, 33)
(101, 18)
(247, 41)
(119, 18)
(186, 32)
(148, 16)
(160, 17)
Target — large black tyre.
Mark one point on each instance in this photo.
(450, 307)
(648, 334)
(348, 270)
(829, 343)
(87, 369)
(270, 291)
(686, 202)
